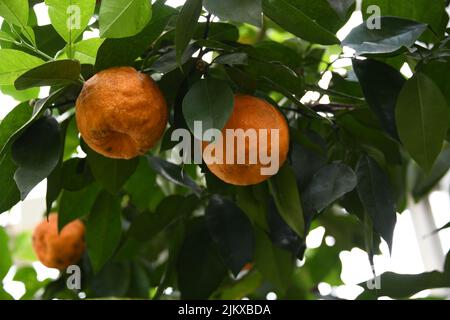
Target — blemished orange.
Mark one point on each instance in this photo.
(121, 113)
(251, 113)
(59, 250)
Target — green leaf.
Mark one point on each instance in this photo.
(381, 85)
(20, 95)
(329, 184)
(249, 11)
(209, 101)
(436, 70)
(251, 199)
(275, 264)
(283, 188)
(424, 183)
(85, 51)
(172, 173)
(290, 16)
(6, 260)
(13, 121)
(15, 11)
(186, 25)
(111, 174)
(232, 232)
(106, 283)
(417, 10)
(123, 18)
(422, 119)
(377, 196)
(36, 153)
(104, 229)
(10, 192)
(48, 40)
(277, 76)
(76, 204)
(370, 137)
(141, 184)
(54, 73)
(232, 59)
(147, 225)
(122, 52)
(15, 63)
(76, 174)
(342, 7)
(6, 37)
(70, 17)
(395, 34)
(17, 122)
(199, 266)
(402, 286)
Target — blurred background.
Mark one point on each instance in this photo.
(417, 247)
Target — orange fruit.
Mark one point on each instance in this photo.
(121, 113)
(250, 113)
(59, 250)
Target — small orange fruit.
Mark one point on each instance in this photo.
(250, 113)
(121, 113)
(59, 250)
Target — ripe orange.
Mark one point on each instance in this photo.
(251, 113)
(59, 250)
(121, 113)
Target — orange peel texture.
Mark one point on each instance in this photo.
(250, 113)
(59, 250)
(121, 113)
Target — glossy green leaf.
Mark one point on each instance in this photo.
(290, 16)
(10, 192)
(328, 185)
(172, 173)
(186, 25)
(402, 286)
(249, 11)
(15, 11)
(283, 188)
(54, 73)
(6, 37)
(70, 17)
(232, 232)
(111, 174)
(424, 182)
(377, 196)
(36, 153)
(199, 266)
(381, 85)
(395, 34)
(147, 225)
(209, 101)
(141, 184)
(76, 204)
(85, 51)
(342, 7)
(104, 229)
(15, 63)
(274, 263)
(417, 10)
(123, 18)
(422, 119)
(20, 95)
(122, 52)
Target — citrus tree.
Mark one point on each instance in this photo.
(358, 141)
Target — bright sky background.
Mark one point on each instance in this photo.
(406, 256)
